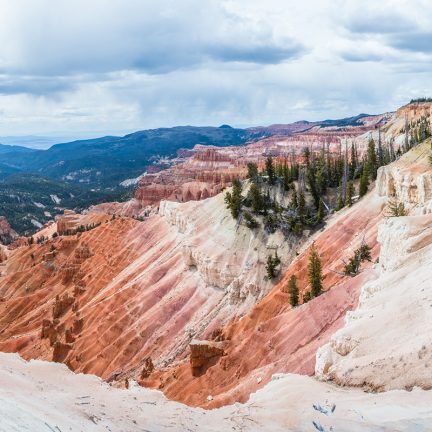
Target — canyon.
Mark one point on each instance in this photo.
(167, 292)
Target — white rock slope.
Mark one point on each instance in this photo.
(387, 342)
(45, 397)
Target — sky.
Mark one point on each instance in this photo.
(89, 67)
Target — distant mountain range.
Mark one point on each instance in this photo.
(105, 162)
(85, 172)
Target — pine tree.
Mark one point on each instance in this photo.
(301, 208)
(293, 291)
(380, 150)
(354, 162)
(320, 213)
(364, 182)
(234, 200)
(363, 253)
(250, 221)
(272, 263)
(340, 203)
(270, 170)
(315, 272)
(306, 155)
(294, 201)
(286, 177)
(350, 193)
(395, 209)
(312, 182)
(252, 171)
(255, 198)
(372, 164)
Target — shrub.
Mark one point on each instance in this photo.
(250, 220)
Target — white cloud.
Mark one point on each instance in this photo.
(69, 66)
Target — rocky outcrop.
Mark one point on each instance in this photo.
(62, 304)
(68, 222)
(7, 234)
(204, 354)
(147, 369)
(204, 175)
(3, 254)
(393, 357)
(60, 352)
(409, 180)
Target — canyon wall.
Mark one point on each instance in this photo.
(106, 299)
(385, 343)
(409, 180)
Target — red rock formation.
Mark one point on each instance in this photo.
(273, 337)
(7, 234)
(203, 355)
(143, 299)
(61, 351)
(148, 368)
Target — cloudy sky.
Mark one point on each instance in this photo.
(95, 66)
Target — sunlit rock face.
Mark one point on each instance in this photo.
(106, 299)
(409, 180)
(385, 343)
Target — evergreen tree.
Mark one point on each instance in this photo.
(364, 182)
(252, 171)
(234, 200)
(363, 253)
(340, 203)
(350, 193)
(270, 170)
(372, 163)
(294, 171)
(268, 202)
(286, 177)
(320, 213)
(395, 209)
(294, 201)
(255, 197)
(354, 162)
(380, 150)
(293, 291)
(250, 221)
(272, 263)
(311, 179)
(306, 155)
(301, 208)
(315, 272)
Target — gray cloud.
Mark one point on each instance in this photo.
(87, 65)
(353, 56)
(413, 41)
(101, 37)
(261, 54)
(36, 85)
(397, 28)
(378, 22)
